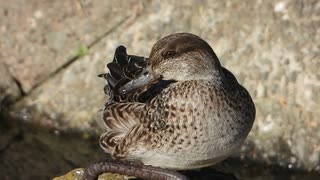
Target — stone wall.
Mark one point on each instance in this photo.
(52, 52)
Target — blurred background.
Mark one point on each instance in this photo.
(52, 51)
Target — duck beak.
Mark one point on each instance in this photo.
(128, 73)
(140, 74)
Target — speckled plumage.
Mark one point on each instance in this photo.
(192, 113)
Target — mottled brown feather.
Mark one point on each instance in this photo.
(192, 112)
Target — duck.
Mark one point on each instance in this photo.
(178, 109)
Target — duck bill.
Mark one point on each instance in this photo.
(143, 79)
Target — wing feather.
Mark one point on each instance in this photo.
(130, 87)
(120, 118)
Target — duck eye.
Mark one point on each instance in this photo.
(168, 54)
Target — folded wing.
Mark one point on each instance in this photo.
(128, 77)
(130, 86)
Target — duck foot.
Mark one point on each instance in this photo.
(130, 168)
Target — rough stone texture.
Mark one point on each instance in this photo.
(72, 99)
(271, 46)
(9, 90)
(77, 174)
(69, 101)
(40, 36)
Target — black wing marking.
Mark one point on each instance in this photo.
(127, 74)
(129, 79)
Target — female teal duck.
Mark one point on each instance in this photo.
(178, 109)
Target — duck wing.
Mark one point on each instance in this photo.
(130, 85)
(128, 77)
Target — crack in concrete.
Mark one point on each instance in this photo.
(15, 80)
(130, 19)
(8, 99)
(70, 61)
(74, 58)
(19, 85)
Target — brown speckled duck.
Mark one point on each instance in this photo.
(178, 109)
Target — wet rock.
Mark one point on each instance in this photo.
(27, 152)
(77, 174)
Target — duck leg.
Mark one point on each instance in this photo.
(130, 168)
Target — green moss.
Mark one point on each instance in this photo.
(80, 51)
